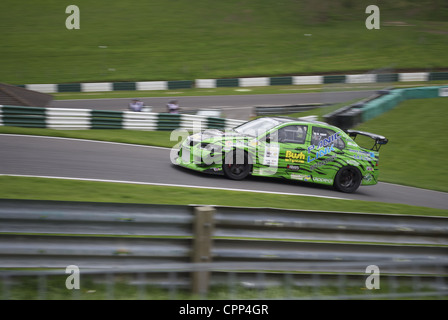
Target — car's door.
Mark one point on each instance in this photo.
(323, 151)
(292, 151)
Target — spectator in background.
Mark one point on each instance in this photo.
(136, 105)
(173, 106)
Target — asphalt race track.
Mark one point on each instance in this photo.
(83, 159)
(232, 106)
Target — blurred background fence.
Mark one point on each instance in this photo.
(79, 119)
(374, 79)
(169, 251)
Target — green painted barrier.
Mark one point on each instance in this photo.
(168, 121)
(183, 84)
(376, 107)
(11, 110)
(233, 82)
(128, 86)
(28, 117)
(387, 77)
(69, 87)
(280, 81)
(334, 79)
(216, 123)
(227, 83)
(351, 115)
(106, 119)
(421, 93)
(433, 76)
(32, 117)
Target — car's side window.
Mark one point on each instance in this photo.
(292, 134)
(326, 137)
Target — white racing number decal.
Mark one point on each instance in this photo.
(271, 154)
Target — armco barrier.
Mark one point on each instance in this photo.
(238, 82)
(35, 233)
(387, 102)
(120, 237)
(383, 101)
(78, 119)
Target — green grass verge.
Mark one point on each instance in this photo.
(141, 40)
(69, 190)
(125, 287)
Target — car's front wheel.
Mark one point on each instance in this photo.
(236, 165)
(348, 179)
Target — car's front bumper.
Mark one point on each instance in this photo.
(195, 162)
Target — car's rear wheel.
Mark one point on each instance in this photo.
(348, 179)
(236, 165)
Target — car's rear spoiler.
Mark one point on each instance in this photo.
(379, 140)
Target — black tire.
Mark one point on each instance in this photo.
(348, 179)
(236, 165)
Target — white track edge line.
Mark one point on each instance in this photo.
(83, 140)
(171, 185)
(423, 189)
(164, 148)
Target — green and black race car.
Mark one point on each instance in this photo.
(285, 148)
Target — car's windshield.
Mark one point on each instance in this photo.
(256, 127)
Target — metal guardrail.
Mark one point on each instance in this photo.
(21, 251)
(54, 234)
(284, 224)
(87, 218)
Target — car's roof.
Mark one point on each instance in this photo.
(299, 121)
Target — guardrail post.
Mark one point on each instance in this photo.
(202, 246)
